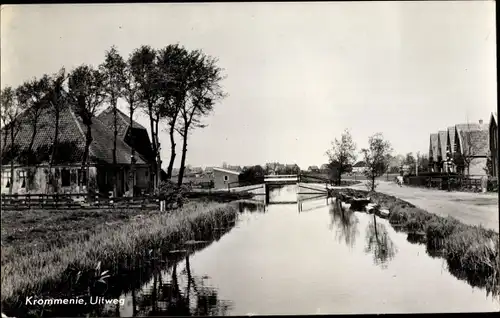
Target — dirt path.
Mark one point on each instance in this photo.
(470, 208)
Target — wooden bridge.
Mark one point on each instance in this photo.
(271, 181)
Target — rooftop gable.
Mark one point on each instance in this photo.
(226, 171)
(442, 141)
(434, 147)
(473, 139)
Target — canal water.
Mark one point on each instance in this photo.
(306, 258)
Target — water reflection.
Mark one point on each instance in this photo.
(379, 243)
(175, 292)
(251, 206)
(309, 202)
(345, 222)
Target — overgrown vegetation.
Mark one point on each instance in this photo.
(472, 252)
(43, 254)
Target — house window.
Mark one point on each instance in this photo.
(6, 178)
(22, 178)
(65, 178)
(225, 178)
(74, 176)
(82, 177)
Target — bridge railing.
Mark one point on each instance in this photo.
(281, 176)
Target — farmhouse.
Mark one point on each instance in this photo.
(222, 177)
(313, 169)
(39, 171)
(359, 167)
(493, 130)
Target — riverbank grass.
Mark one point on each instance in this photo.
(119, 243)
(473, 250)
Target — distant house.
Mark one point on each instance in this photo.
(234, 168)
(359, 167)
(67, 175)
(472, 143)
(222, 177)
(196, 172)
(450, 147)
(208, 170)
(493, 131)
(433, 153)
(292, 169)
(442, 142)
(313, 169)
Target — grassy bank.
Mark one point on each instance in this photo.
(472, 252)
(66, 243)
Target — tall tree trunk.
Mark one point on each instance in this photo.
(158, 148)
(172, 151)
(153, 140)
(115, 136)
(54, 149)
(373, 182)
(85, 167)
(183, 158)
(12, 157)
(132, 141)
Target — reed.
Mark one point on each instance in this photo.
(122, 246)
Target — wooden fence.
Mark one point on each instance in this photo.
(74, 201)
(445, 182)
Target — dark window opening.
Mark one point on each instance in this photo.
(225, 178)
(65, 178)
(22, 178)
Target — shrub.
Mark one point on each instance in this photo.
(172, 194)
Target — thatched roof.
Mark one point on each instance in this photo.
(123, 121)
(433, 147)
(71, 140)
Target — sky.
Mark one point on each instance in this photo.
(297, 74)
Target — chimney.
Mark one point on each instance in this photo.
(480, 121)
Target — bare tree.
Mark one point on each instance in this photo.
(86, 92)
(342, 154)
(377, 157)
(31, 95)
(10, 111)
(113, 71)
(172, 67)
(203, 90)
(144, 67)
(131, 96)
(57, 102)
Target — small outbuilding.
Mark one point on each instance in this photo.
(223, 177)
